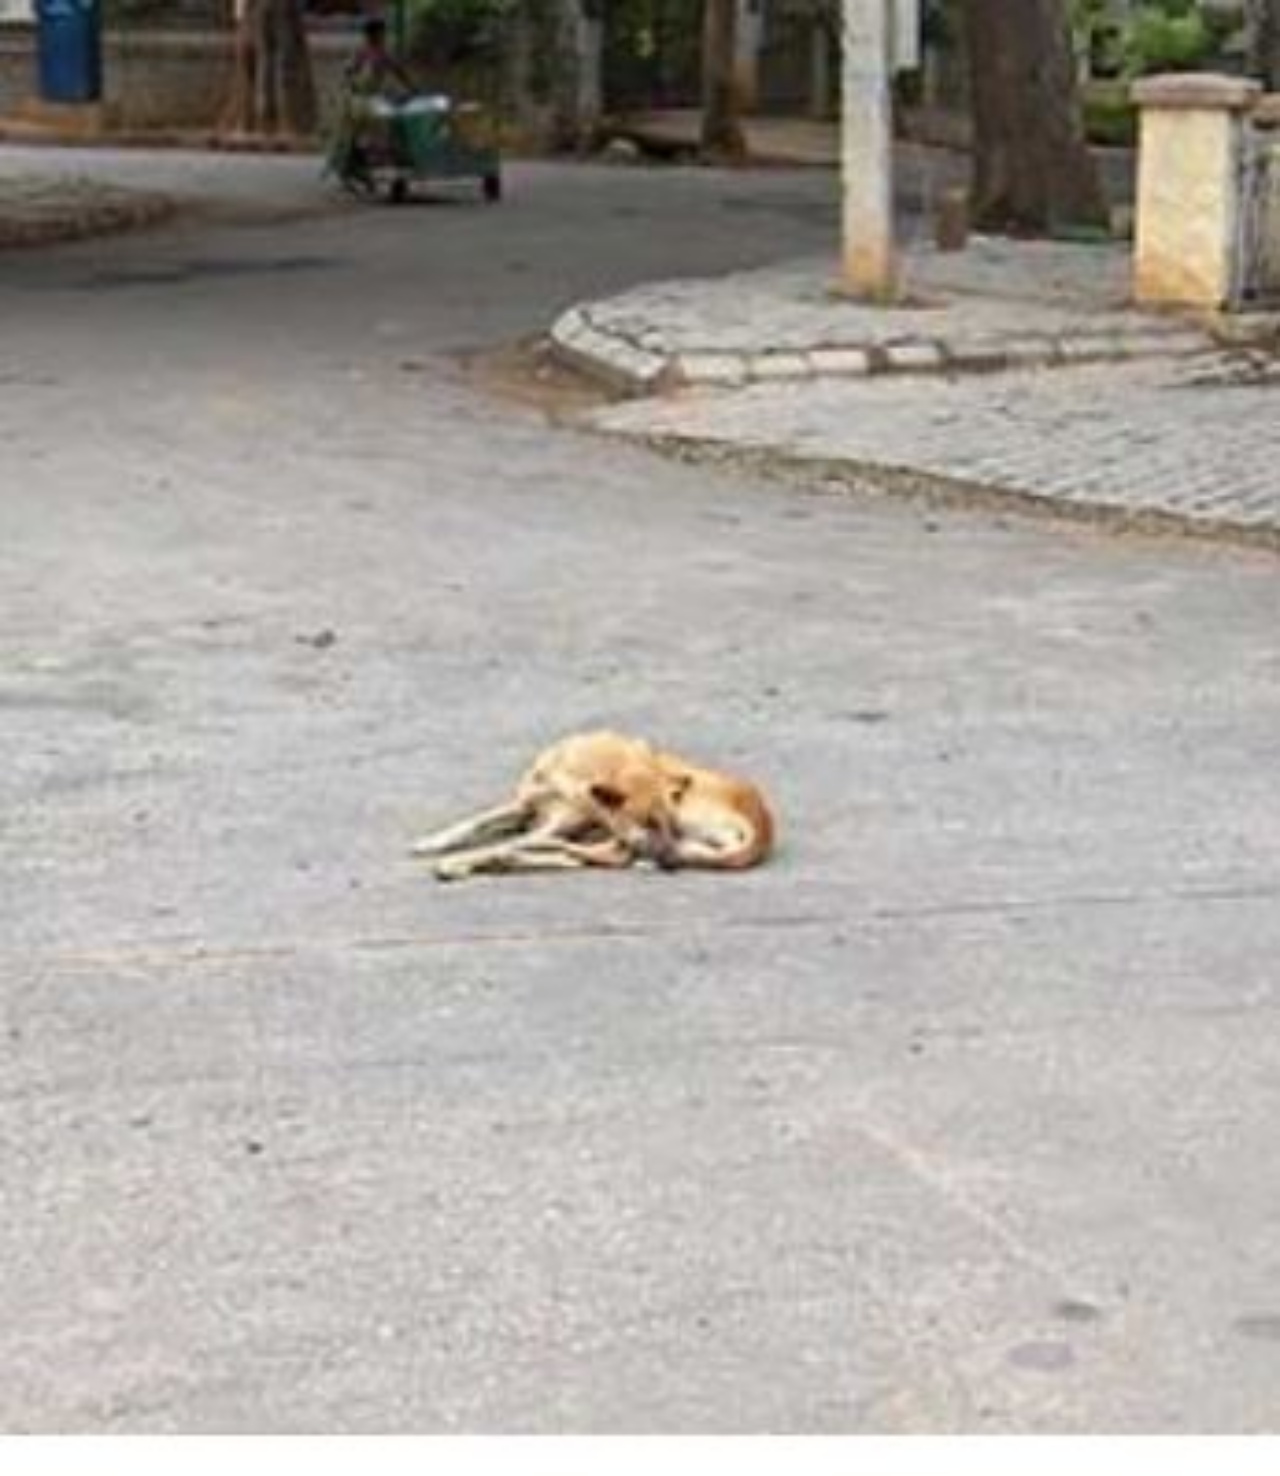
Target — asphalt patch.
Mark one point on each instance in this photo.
(203, 269)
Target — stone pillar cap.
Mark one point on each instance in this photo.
(1204, 90)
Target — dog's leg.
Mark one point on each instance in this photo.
(502, 860)
(611, 852)
(476, 830)
(538, 852)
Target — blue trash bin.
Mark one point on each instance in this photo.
(69, 50)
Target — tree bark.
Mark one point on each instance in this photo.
(518, 55)
(272, 92)
(722, 133)
(1033, 171)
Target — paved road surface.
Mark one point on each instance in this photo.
(960, 1117)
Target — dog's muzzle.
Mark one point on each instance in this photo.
(658, 849)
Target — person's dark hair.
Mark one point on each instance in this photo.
(375, 29)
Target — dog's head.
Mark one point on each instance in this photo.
(637, 803)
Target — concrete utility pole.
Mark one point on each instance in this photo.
(870, 256)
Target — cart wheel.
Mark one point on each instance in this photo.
(399, 191)
(492, 187)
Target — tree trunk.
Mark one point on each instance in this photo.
(824, 37)
(1033, 171)
(518, 52)
(722, 135)
(272, 92)
(533, 67)
(1264, 42)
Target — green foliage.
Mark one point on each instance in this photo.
(652, 51)
(1172, 36)
(1110, 119)
(446, 32)
(940, 22)
(1156, 36)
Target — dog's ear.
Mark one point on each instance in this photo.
(607, 796)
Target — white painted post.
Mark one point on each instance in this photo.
(870, 256)
(589, 52)
(1188, 237)
(906, 45)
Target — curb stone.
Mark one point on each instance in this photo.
(110, 215)
(840, 362)
(616, 361)
(774, 365)
(713, 369)
(645, 365)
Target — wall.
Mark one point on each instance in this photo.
(162, 79)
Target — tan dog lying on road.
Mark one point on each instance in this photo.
(602, 799)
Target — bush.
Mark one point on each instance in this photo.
(1166, 38)
(1157, 36)
(443, 33)
(1110, 119)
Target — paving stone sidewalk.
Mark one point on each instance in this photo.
(38, 209)
(998, 304)
(1192, 443)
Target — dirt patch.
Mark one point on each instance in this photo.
(530, 374)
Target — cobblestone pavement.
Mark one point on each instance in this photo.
(997, 304)
(39, 208)
(1194, 439)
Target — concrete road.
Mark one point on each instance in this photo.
(959, 1117)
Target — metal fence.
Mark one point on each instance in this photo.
(1258, 254)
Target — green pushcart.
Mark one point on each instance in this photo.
(382, 149)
